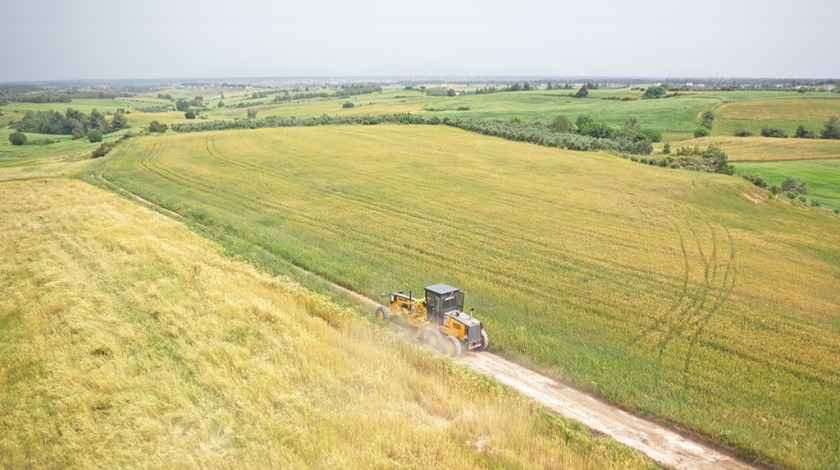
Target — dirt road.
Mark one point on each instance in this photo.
(662, 445)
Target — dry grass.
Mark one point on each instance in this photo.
(128, 341)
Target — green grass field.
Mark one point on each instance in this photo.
(128, 341)
(822, 177)
(688, 296)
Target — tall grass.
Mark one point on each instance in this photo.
(128, 341)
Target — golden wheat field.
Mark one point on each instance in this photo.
(689, 296)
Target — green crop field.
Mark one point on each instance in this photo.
(822, 176)
(689, 296)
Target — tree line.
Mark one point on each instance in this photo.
(345, 91)
(536, 132)
(71, 122)
(30, 94)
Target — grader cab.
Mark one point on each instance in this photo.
(439, 317)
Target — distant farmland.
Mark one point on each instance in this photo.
(686, 295)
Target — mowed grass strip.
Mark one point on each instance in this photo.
(666, 291)
(128, 341)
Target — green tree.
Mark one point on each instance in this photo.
(182, 105)
(666, 149)
(794, 187)
(221, 104)
(347, 104)
(707, 119)
(561, 124)
(97, 120)
(701, 132)
(655, 92)
(451, 92)
(17, 138)
(189, 115)
(832, 129)
(94, 135)
(803, 133)
(583, 92)
(119, 121)
(583, 123)
(157, 126)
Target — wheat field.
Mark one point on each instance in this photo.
(688, 296)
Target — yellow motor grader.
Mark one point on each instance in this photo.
(439, 318)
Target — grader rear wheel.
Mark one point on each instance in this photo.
(485, 340)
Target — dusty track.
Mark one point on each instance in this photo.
(661, 444)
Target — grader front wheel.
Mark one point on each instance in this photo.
(433, 338)
(452, 347)
(382, 313)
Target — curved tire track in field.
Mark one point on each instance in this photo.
(687, 317)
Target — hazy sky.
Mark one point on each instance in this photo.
(45, 40)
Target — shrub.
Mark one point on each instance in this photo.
(802, 198)
(816, 203)
(773, 132)
(103, 149)
(756, 180)
(157, 126)
(94, 135)
(252, 113)
(189, 115)
(17, 138)
(655, 92)
(701, 132)
(707, 120)
(561, 124)
(648, 134)
(775, 190)
(794, 186)
(463, 108)
(666, 149)
(802, 133)
(347, 104)
(741, 132)
(832, 129)
(837, 211)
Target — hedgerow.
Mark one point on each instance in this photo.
(536, 132)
